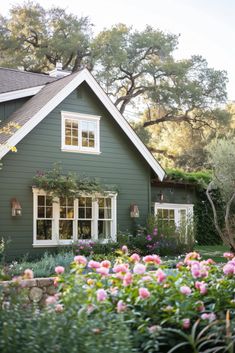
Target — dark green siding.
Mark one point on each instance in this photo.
(7, 108)
(174, 194)
(119, 163)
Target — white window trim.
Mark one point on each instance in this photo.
(80, 117)
(56, 216)
(177, 207)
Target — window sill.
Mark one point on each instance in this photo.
(80, 152)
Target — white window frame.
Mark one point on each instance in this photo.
(80, 118)
(55, 241)
(177, 207)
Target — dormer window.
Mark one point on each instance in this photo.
(80, 133)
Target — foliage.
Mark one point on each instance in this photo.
(71, 185)
(222, 156)
(199, 178)
(36, 39)
(151, 302)
(24, 330)
(43, 267)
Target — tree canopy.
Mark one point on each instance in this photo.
(136, 68)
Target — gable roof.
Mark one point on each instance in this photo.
(50, 96)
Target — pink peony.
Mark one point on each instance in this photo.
(94, 264)
(80, 260)
(229, 269)
(101, 295)
(104, 271)
(125, 249)
(59, 270)
(139, 269)
(202, 286)
(146, 278)
(59, 308)
(161, 276)
(135, 258)
(127, 280)
(191, 256)
(185, 290)
(121, 268)
(157, 260)
(51, 300)
(228, 255)
(144, 293)
(180, 265)
(186, 323)
(121, 306)
(152, 259)
(210, 316)
(200, 306)
(28, 274)
(106, 264)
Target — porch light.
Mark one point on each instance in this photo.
(16, 209)
(134, 211)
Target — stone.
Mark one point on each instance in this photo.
(44, 282)
(36, 294)
(51, 290)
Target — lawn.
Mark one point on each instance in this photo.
(214, 252)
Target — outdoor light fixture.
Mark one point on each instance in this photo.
(16, 209)
(134, 211)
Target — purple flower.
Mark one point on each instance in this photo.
(149, 238)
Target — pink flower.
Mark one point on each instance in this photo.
(93, 264)
(200, 306)
(155, 231)
(104, 271)
(228, 255)
(229, 269)
(59, 308)
(146, 278)
(157, 260)
(80, 260)
(180, 265)
(135, 258)
(186, 323)
(101, 295)
(51, 300)
(125, 249)
(185, 290)
(127, 280)
(121, 268)
(152, 259)
(59, 270)
(161, 276)
(28, 274)
(191, 256)
(139, 269)
(202, 286)
(144, 293)
(149, 238)
(121, 306)
(153, 329)
(106, 264)
(210, 316)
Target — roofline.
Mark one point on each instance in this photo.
(20, 93)
(86, 76)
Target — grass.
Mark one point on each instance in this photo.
(215, 252)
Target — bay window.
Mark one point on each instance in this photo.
(59, 221)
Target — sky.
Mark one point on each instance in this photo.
(206, 27)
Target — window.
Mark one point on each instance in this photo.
(173, 215)
(61, 221)
(80, 133)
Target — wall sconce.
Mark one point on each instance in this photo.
(161, 197)
(16, 209)
(134, 211)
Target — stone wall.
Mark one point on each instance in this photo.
(35, 290)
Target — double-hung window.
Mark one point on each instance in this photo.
(64, 220)
(171, 214)
(80, 132)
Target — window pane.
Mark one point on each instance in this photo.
(85, 142)
(101, 202)
(172, 214)
(63, 201)
(41, 213)
(49, 201)
(101, 213)
(88, 202)
(68, 141)
(62, 212)
(74, 141)
(91, 143)
(104, 229)
(65, 229)
(70, 212)
(84, 229)
(81, 213)
(49, 212)
(41, 200)
(44, 230)
(89, 213)
(107, 202)
(165, 213)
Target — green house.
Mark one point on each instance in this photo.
(68, 119)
